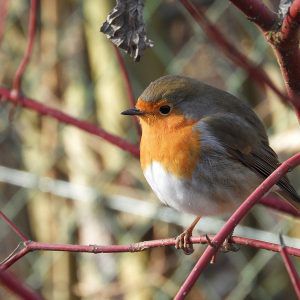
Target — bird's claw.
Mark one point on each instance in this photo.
(227, 246)
(183, 242)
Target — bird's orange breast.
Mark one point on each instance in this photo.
(170, 140)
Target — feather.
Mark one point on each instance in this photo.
(243, 143)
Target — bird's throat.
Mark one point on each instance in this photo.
(174, 144)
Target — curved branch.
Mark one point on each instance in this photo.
(236, 217)
(43, 109)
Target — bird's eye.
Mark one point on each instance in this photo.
(165, 109)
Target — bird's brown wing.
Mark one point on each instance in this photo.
(247, 145)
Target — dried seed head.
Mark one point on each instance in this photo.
(125, 27)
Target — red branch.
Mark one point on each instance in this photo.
(236, 217)
(13, 227)
(30, 246)
(125, 74)
(43, 109)
(128, 85)
(17, 287)
(27, 54)
(290, 268)
(258, 12)
(286, 47)
(229, 50)
(279, 204)
(285, 43)
(290, 24)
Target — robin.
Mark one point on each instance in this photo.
(202, 151)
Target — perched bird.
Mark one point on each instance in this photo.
(203, 151)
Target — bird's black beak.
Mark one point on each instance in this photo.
(132, 112)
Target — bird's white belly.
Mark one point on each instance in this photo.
(178, 193)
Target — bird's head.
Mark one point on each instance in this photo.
(165, 100)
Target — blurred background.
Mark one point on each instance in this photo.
(62, 185)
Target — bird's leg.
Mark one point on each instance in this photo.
(183, 240)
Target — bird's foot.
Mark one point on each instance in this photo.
(183, 242)
(227, 245)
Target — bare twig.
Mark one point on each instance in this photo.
(290, 268)
(27, 54)
(126, 76)
(43, 109)
(17, 287)
(236, 217)
(279, 205)
(30, 246)
(20, 234)
(258, 12)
